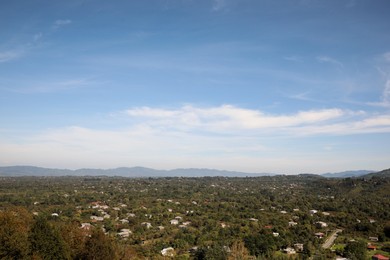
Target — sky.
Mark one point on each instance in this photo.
(299, 86)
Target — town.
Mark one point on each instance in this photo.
(278, 217)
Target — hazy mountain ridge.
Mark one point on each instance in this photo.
(149, 172)
(347, 174)
(123, 172)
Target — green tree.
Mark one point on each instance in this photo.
(356, 250)
(14, 226)
(99, 247)
(46, 242)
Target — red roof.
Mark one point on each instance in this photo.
(379, 257)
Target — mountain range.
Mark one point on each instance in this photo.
(136, 172)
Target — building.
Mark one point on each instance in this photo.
(379, 257)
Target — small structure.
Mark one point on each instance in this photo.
(289, 251)
(275, 234)
(313, 211)
(54, 215)
(292, 223)
(298, 247)
(96, 218)
(321, 224)
(124, 233)
(174, 222)
(86, 226)
(169, 251)
(379, 257)
(146, 224)
(124, 221)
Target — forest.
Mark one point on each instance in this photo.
(270, 217)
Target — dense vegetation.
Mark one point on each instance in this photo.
(197, 218)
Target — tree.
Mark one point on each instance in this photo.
(46, 242)
(14, 226)
(99, 247)
(238, 251)
(355, 250)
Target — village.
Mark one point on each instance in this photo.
(281, 217)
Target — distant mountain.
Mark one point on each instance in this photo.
(133, 172)
(384, 173)
(346, 174)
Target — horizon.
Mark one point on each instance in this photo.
(250, 86)
(201, 169)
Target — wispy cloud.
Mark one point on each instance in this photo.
(294, 58)
(191, 136)
(10, 55)
(228, 118)
(59, 23)
(326, 59)
(385, 97)
(218, 5)
(53, 86)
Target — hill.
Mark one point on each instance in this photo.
(346, 174)
(384, 173)
(133, 172)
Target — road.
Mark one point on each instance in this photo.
(329, 241)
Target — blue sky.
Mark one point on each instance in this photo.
(248, 85)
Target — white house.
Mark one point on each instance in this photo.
(169, 251)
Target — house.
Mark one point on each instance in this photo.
(371, 247)
(326, 213)
(321, 224)
(373, 239)
(379, 257)
(289, 251)
(174, 222)
(298, 247)
(124, 221)
(86, 226)
(319, 234)
(313, 211)
(169, 251)
(96, 218)
(54, 215)
(254, 219)
(147, 224)
(124, 233)
(275, 234)
(292, 223)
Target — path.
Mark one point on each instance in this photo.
(329, 241)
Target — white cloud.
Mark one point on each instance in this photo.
(10, 55)
(225, 137)
(326, 59)
(218, 5)
(59, 23)
(386, 56)
(228, 118)
(385, 98)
